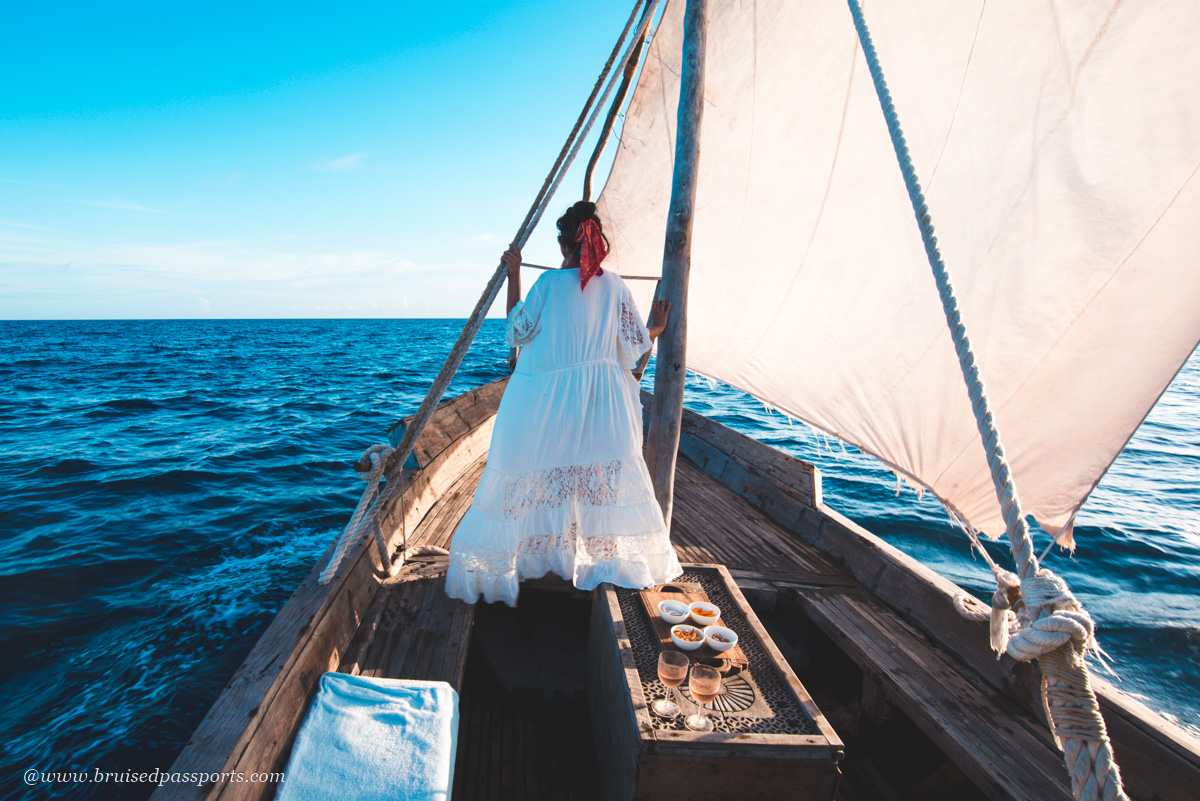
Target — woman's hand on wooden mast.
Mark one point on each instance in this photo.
(512, 258)
(658, 318)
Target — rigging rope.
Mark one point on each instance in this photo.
(618, 101)
(1053, 626)
(395, 460)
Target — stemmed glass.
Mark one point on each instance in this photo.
(672, 670)
(705, 685)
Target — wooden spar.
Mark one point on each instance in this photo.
(671, 367)
(618, 101)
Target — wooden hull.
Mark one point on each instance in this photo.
(760, 512)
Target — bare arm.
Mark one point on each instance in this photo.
(512, 258)
(658, 318)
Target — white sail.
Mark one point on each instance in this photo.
(1058, 144)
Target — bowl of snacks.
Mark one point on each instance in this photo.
(703, 613)
(689, 638)
(673, 611)
(720, 638)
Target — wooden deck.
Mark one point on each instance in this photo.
(923, 707)
(414, 631)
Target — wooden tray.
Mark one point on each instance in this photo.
(733, 660)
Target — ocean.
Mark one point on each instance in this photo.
(166, 484)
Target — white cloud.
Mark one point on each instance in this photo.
(347, 162)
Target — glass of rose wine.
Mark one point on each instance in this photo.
(705, 685)
(672, 670)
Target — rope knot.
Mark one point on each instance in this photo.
(1051, 617)
(370, 468)
(1003, 619)
(371, 463)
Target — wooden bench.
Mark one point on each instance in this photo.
(994, 743)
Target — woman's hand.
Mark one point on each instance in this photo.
(658, 318)
(512, 257)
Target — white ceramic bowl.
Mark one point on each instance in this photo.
(704, 620)
(684, 644)
(729, 635)
(673, 611)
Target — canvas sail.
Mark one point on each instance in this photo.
(1058, 144)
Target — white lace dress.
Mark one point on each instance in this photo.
(566, 489)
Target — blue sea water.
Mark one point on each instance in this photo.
(166, 484)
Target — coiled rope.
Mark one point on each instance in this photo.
(392, 463)
(1051, 625)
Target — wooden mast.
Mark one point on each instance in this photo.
(667, 409)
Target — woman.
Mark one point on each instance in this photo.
(566, 489)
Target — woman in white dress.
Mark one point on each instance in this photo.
(566, 489)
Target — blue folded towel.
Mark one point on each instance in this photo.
(367, 738)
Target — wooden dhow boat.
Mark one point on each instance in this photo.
(869, 675)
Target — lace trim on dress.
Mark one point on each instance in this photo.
(592, 550)
(520, 328)
(633, 336)
(613, 483)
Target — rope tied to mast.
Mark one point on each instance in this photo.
(1053, 627)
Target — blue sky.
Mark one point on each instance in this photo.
(281, 160)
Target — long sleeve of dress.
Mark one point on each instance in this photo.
(633, 339)
(523, 321)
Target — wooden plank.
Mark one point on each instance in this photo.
(375, 660)
(706, 779)
(615, 724)
(454, 657)
(493, 749)
(711, 446)
(460, 499)
(871, 709)
(412, 626)
(990, 743)
(471, 408)
(1157, 759)
(431, 652)
(758, 540)
(787, 579)
(356, 652)
(470, 749)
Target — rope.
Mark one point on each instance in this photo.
(1052, 626)
(395, 458)
(610, 120)
(373, 459)
(570, 148)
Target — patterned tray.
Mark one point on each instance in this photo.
(757, 700)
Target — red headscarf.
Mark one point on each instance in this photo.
(592, 251)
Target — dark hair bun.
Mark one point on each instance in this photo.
(569, 223)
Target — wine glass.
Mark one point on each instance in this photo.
(705, 685)
(672, 670)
